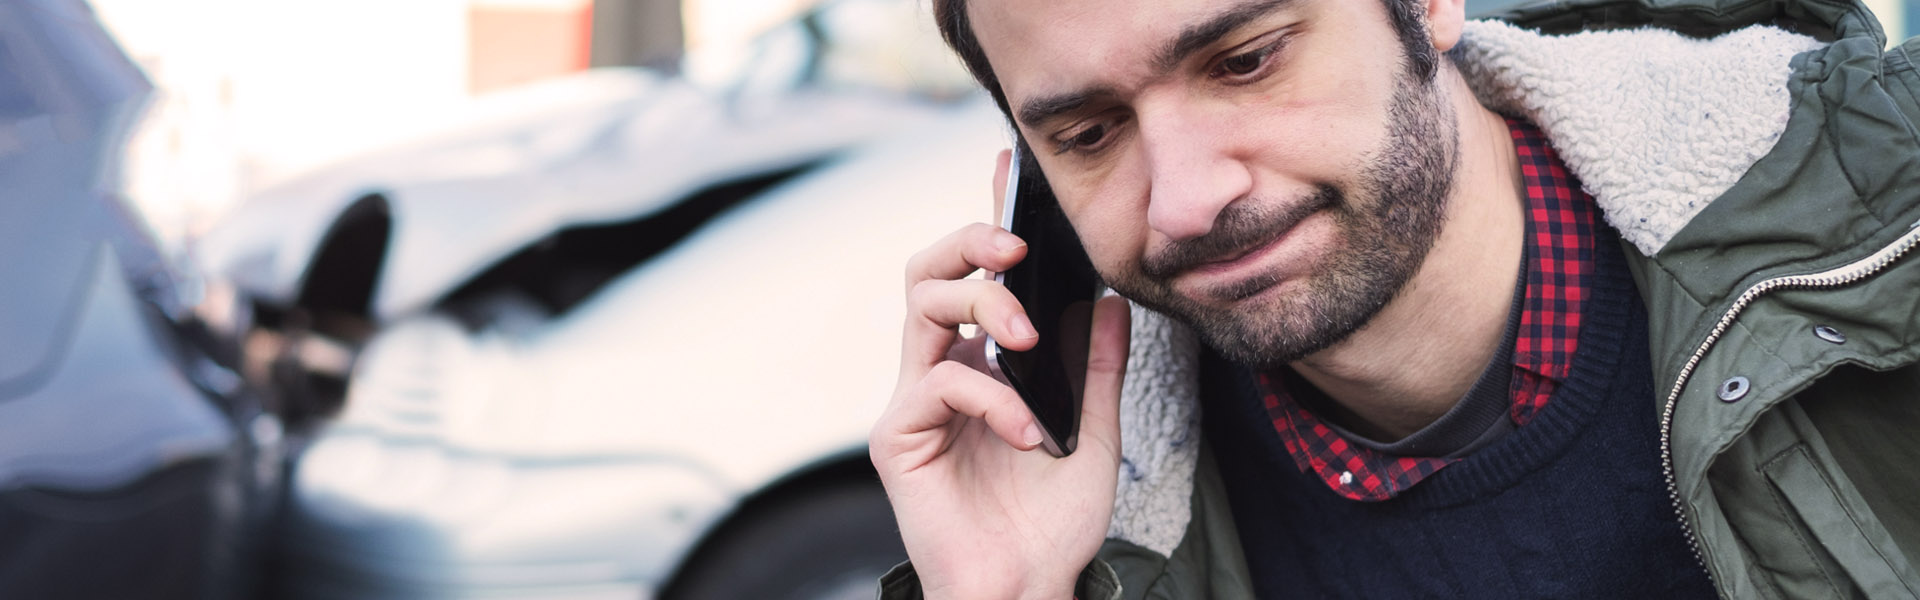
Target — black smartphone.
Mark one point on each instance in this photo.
(1058, 286)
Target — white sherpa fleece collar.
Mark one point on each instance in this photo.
(1656, 125)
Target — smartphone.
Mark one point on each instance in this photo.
(1058, 286)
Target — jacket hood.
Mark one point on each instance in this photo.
(1663, 125)
(1656, 123)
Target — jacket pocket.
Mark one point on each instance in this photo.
(1841, 529)
(1795, 525)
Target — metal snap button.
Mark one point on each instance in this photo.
(1732, 390)
(1830, 334)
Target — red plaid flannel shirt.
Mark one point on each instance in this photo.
(1560, 227)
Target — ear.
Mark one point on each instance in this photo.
(1445, 19)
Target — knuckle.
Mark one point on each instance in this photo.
(930, 383)
(1003, 298)
(1115, 363)
(916, 267)
(946, 374)
(993, 307)
(877, 444)
(982, 234)
(949, 379)
(929, 392)
(979, 229)
(883, 458)
(922, 293)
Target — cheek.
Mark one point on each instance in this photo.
(1112, 227)
(1108, 208)
(1114, 253)
(1318, 144)
(1320, 121)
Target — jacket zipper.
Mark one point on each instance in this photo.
(1831, 278)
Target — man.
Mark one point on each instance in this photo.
(1670, 353)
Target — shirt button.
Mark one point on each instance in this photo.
(1346, 478)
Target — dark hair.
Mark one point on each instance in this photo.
(951, 16)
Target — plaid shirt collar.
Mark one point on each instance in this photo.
(1560, 230)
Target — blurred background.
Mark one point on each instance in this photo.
(467, 298)
(253, 92)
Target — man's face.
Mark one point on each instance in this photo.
(1268, 171)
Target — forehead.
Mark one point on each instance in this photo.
(1029, 41)
(1052, 45)
(1030, 23)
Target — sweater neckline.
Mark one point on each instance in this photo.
(1615, 313)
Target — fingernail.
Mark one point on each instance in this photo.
(1032, 435)
(1008, 243)
(1022, 328)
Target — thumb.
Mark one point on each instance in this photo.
(1106, 369)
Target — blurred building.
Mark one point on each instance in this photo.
(647, 33)
(516, 41)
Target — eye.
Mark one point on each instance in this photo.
(1249, 66)
(1090, 137)
(1243, 64)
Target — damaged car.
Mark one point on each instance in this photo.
(621, 334)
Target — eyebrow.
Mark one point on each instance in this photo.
(1205, 33)
(1035, 111)
(1192, 39)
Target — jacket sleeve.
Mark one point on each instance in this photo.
(1097, 582)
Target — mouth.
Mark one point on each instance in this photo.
(1250, 269)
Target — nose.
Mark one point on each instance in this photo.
(1193, 172)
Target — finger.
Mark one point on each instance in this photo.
(951, 391)
(949, 304)
(1106, 369)
(936, 308)
(976, 246)
(1001, 165)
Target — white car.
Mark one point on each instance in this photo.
(627, 342)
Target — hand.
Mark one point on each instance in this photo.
(983, 512)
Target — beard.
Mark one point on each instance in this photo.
(1387, 222)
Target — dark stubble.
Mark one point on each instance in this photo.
(1385, 237)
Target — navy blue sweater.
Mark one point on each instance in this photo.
(1571, 505)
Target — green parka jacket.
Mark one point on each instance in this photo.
(1761, 159)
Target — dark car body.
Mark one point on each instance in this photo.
(133, 461)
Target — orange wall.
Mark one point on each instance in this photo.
(510, 45)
